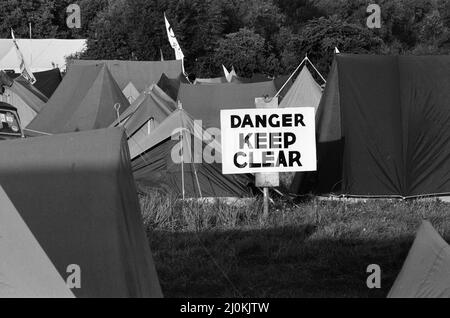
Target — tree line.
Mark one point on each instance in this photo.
(254, 36)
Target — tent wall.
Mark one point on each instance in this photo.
(140, 73)
(77, 195)
(84, 100)
(383, 120)
(25, 269)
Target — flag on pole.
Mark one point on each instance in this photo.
(173, 40)
(233, 72)
(227, 74)
(24, 70)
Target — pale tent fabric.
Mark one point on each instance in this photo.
(22, 95)
(146, 112)
(140, 73)
(214, 80)
(170, 128)
(305, 92)
(40, 54)
(426, 271)
(130, 92)
(25, 269)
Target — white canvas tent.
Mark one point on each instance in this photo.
(40, 54)
(25, 269)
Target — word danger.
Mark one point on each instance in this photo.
(268, 140)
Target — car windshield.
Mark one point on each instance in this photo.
(9, 123)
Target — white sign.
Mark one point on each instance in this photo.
(268, 140)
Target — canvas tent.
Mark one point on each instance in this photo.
(204, 102)
(171, 86)
(84, 100)
(146, 112)
(140, 74)
(48, 81)
(305, 92)
(426, 271)
(382, 127)
(25, 269)
(165, 159)
(25, 97)
(40, 54)
(82, 206)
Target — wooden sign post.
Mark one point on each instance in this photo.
(266, 180)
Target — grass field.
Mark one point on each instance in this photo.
(310, 249)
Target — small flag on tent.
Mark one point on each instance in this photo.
(227, 74)
(173, 40)
(233, 72)
(24, 70)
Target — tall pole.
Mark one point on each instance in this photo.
(266, 179)
(31, 51)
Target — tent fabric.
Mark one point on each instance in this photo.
(84, 100)
(82, 206)
(171, 86)
(210, 81)
(140, 73)
(305, 92)
(40, 54)
(153, 104)
(204, 102)
(384, 120)
(48, 81)
(22, 95)
(426, 270)
(154, 166)
(25, 269)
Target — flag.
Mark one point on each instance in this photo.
(336, 51)
(233, 72)
(24, 70)
(173, 40)
(227, 74)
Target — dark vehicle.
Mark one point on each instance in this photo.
(9, 122)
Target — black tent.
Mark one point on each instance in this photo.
(383, 128)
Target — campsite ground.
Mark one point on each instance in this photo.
(308, 249)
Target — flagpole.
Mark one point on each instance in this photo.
(31, 51)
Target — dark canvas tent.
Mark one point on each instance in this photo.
(382, 127)
(146, 112)
(204, 102)
(77, 195)
(426, 271)
(48, 81)
(140, 73)
(84, 100)
(171, 86)
(154, 165)
(25, 269)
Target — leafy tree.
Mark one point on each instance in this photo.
(320, 36)
(245, 50)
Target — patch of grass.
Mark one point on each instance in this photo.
(312, 249)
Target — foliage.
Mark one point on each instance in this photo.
(268, 36)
